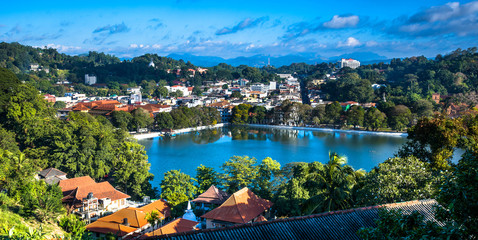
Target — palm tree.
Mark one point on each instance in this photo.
(153, 218)
(332, 185)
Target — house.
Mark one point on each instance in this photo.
(342, 224)
(128, 222)
(242, 207)
(212, 196)
(89, 199)
(351, 63)
(202, 70)
(122, 223)
(49, 98)
(436, 98)
(177, 226)
(101, 107)
(175, 88)
(161, 206)
(224, 108)
(90, 79)
(154, 109)
(51, 175)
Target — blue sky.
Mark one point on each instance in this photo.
(243, 28)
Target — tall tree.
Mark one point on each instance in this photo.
(355, 116)
(141, 119)
(374, 119)
(239, 172)
(177, 188)
(206, 177)
(331, 185)
(131, 169)
(121, 119)
(333, 112)
(399, 117)
(163, 120)
(266, 182)
(398, 180)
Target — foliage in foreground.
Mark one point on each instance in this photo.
(393, 224)
(397, 180)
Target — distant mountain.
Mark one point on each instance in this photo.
(262, 60)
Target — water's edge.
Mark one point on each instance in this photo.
(219, 125)
(391, 134)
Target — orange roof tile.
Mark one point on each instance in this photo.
(212, 195)
(72, 183)
(160, 205)
(176, 226)
(241, 207)
(136, 217)
(100, 190)
(109, 227)
(80, 107)
(80, 187)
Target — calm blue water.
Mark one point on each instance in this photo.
(213, 147)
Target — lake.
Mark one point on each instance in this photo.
(212, 148)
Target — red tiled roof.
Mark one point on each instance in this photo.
(212, 195)
(73, 183)
(241, 207)
(109, 227)
(160, 205)
(177, 226)
(80, 107)
(78, 188)
(136, 217)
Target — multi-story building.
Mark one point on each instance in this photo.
(259, 87)
(351, 63)
(90, 79)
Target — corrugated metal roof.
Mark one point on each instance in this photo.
(332, 225)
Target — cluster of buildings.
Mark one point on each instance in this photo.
(107, 210)
(221, 95)
(241, 215)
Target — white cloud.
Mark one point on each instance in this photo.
(371, 43)
(342, 22)
(351, 42)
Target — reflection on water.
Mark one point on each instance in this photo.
(214, 146)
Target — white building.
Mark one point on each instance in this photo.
(272, 86)
(175, 88)
(351, 63)
(151, 64)
(90, 79)
(136, 98)
(259, 87)
(285, 75)
(134, 90)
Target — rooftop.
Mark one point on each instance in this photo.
(51, 172)
(160, 205)
(177, 226)
(78, 189)
(213, 196)
(331, 225)
(242, 207)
